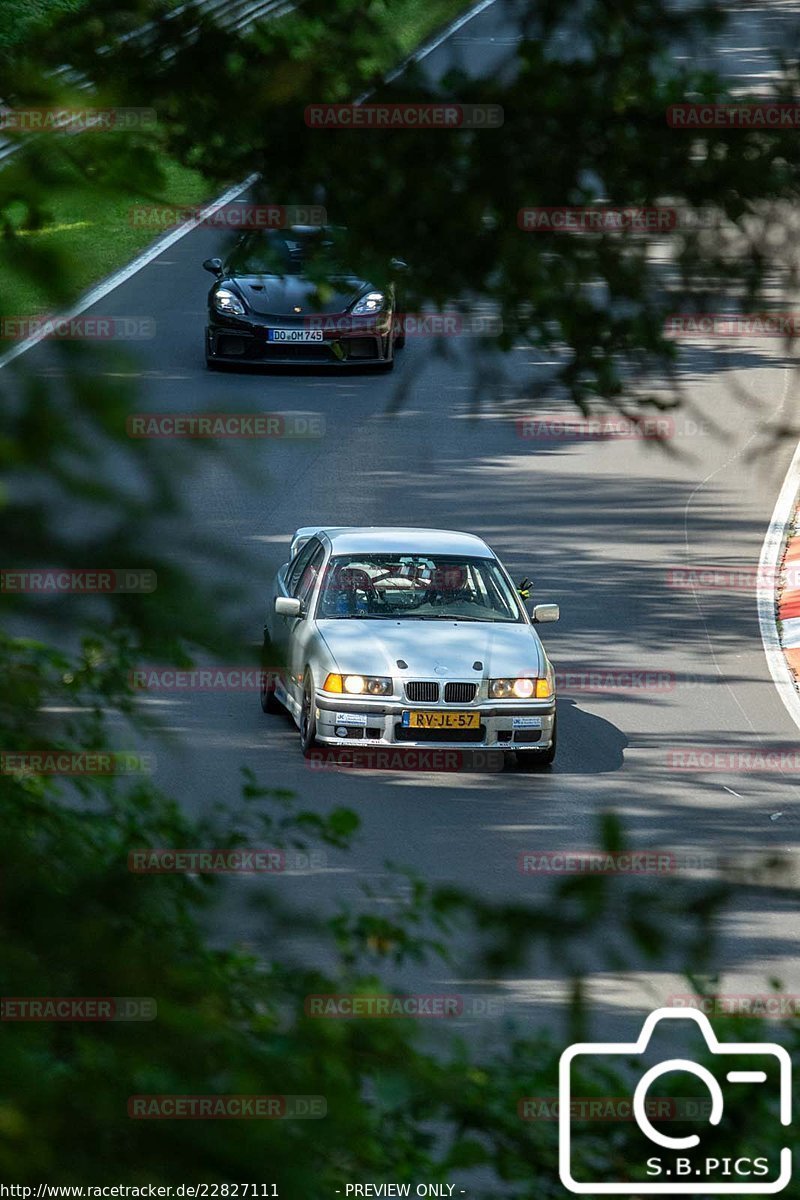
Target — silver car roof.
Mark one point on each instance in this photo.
(398, 539)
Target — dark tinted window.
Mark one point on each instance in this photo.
(299, 563)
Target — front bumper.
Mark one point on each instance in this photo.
(503, 726)
(240, 340)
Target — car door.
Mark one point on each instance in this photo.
(300, 582)
(280, 628)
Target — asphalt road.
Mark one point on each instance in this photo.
(598, 525)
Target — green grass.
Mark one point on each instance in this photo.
(18, 18)
(95, 232)
(421, 19)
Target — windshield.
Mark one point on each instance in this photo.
(417, 587)
(291, 252)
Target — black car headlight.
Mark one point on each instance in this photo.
(226, 301)
(369, 305)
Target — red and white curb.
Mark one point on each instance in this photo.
(779, 592)
(788, 597)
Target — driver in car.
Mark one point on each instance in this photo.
(349, 591)
(449, 586)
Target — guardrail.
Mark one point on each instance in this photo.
(236, 15)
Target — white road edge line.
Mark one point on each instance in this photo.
(768, 567)
(119, 277)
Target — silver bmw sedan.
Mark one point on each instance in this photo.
(392, 636)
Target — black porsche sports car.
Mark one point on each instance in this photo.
(283, 297)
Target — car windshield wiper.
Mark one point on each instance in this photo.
(360, 617)
(436, 617)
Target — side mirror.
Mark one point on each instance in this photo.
(288, 606)
(214, 265)
(398, 264)
(545, 612)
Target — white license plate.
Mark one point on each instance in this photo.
(294, 335)
(526, 722)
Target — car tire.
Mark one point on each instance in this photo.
(269, 701)
(534, 760)
(308, 722)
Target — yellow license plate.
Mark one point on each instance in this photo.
(443, 720)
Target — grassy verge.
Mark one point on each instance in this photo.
(20, 18)
(94, 231)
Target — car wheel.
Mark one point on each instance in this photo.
(269, 701)
(532, 760)
(308, 722)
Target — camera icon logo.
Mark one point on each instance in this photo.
(682, 1166)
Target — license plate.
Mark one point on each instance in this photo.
(441, 720)
(294, 335)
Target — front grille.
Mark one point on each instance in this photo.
(404, 734)
(460, 693)
(297, 352)
(423, 693)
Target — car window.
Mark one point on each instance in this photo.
(299, 563)
(310, 575)
(419, 587)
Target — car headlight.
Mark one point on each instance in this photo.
(358, 685)
(373, 302)
(226, 301)
(521, 689)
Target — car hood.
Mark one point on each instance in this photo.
(281, 295)
(433, 649)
